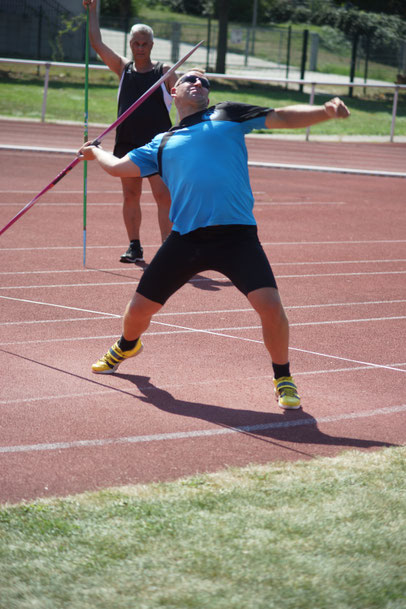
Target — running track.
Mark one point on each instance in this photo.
(199, 398)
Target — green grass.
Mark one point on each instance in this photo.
(21, 92)
(321, 534)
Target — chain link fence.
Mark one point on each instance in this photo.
(43, 29)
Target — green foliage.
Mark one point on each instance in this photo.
(334, 40)
(68, 25)
(391, 7)
(120, 8)
(188, 7)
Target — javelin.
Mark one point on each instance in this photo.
(97, 141)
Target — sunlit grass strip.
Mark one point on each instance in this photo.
(318, 534)
(21, 97)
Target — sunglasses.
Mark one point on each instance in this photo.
(193, 79)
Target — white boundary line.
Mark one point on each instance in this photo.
(368, 172)
(138, 268)
(365, 172)
(185, 435)
(191, 330)
(183, 313)
(252, 340)
(132, 282)
(172, 386)
(218, 333)
(157, 245)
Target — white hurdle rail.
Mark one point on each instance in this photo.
(287, 81)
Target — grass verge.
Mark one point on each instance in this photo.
(21, 93)
(318, 534)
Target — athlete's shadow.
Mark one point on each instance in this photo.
(293, 426)
(208, 284)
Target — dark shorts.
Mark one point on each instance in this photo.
(234, 251)
(121, 150)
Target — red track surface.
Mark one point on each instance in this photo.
(199, 397)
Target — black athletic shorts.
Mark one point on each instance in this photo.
(122, 149)
(233, 250)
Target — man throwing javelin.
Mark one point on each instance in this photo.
(152, 117)
(203, 160)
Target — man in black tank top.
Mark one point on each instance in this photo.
(142, 125)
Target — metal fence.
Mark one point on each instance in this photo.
(273, 47)
(37, 29)
(310, 84)
(41, 29)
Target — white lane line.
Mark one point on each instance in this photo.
(258, 341)
(181, 313)
(185, 435)
(190, 330)
(278, 243)
(364, 172)
(296, 203)
(70, 285)
(139, 268)
(220, 279)
(262, 164)
(66, 320)
(258, 204)
(344, 359)
(50, 304)
(117, 191)
(172, 386)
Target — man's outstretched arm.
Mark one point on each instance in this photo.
(119, 168)
(294, 117)
(113, 60)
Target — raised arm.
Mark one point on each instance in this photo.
(113, 60)
(119, 168)
(294, 117)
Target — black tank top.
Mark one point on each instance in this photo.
(151, 117)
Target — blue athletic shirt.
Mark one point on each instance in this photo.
(204, 163)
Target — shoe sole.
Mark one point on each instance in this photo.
(112, 370)
(289, 407)
(132, 260)
(285, 407)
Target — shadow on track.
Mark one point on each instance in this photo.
(285, 426)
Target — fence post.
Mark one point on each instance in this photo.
(403, 57)
(288, 53)
(176, 28)
(254, 25)
(126, 28)
(394, 109)
(208, 43)
(353, 61)
(44, 97)
(247, 45)
(311, 102)
(304, 57)
(366, 61)
(314, 49)
(39, 39)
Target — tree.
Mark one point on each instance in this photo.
(223, 12)
(390, 7)
(117, 8)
